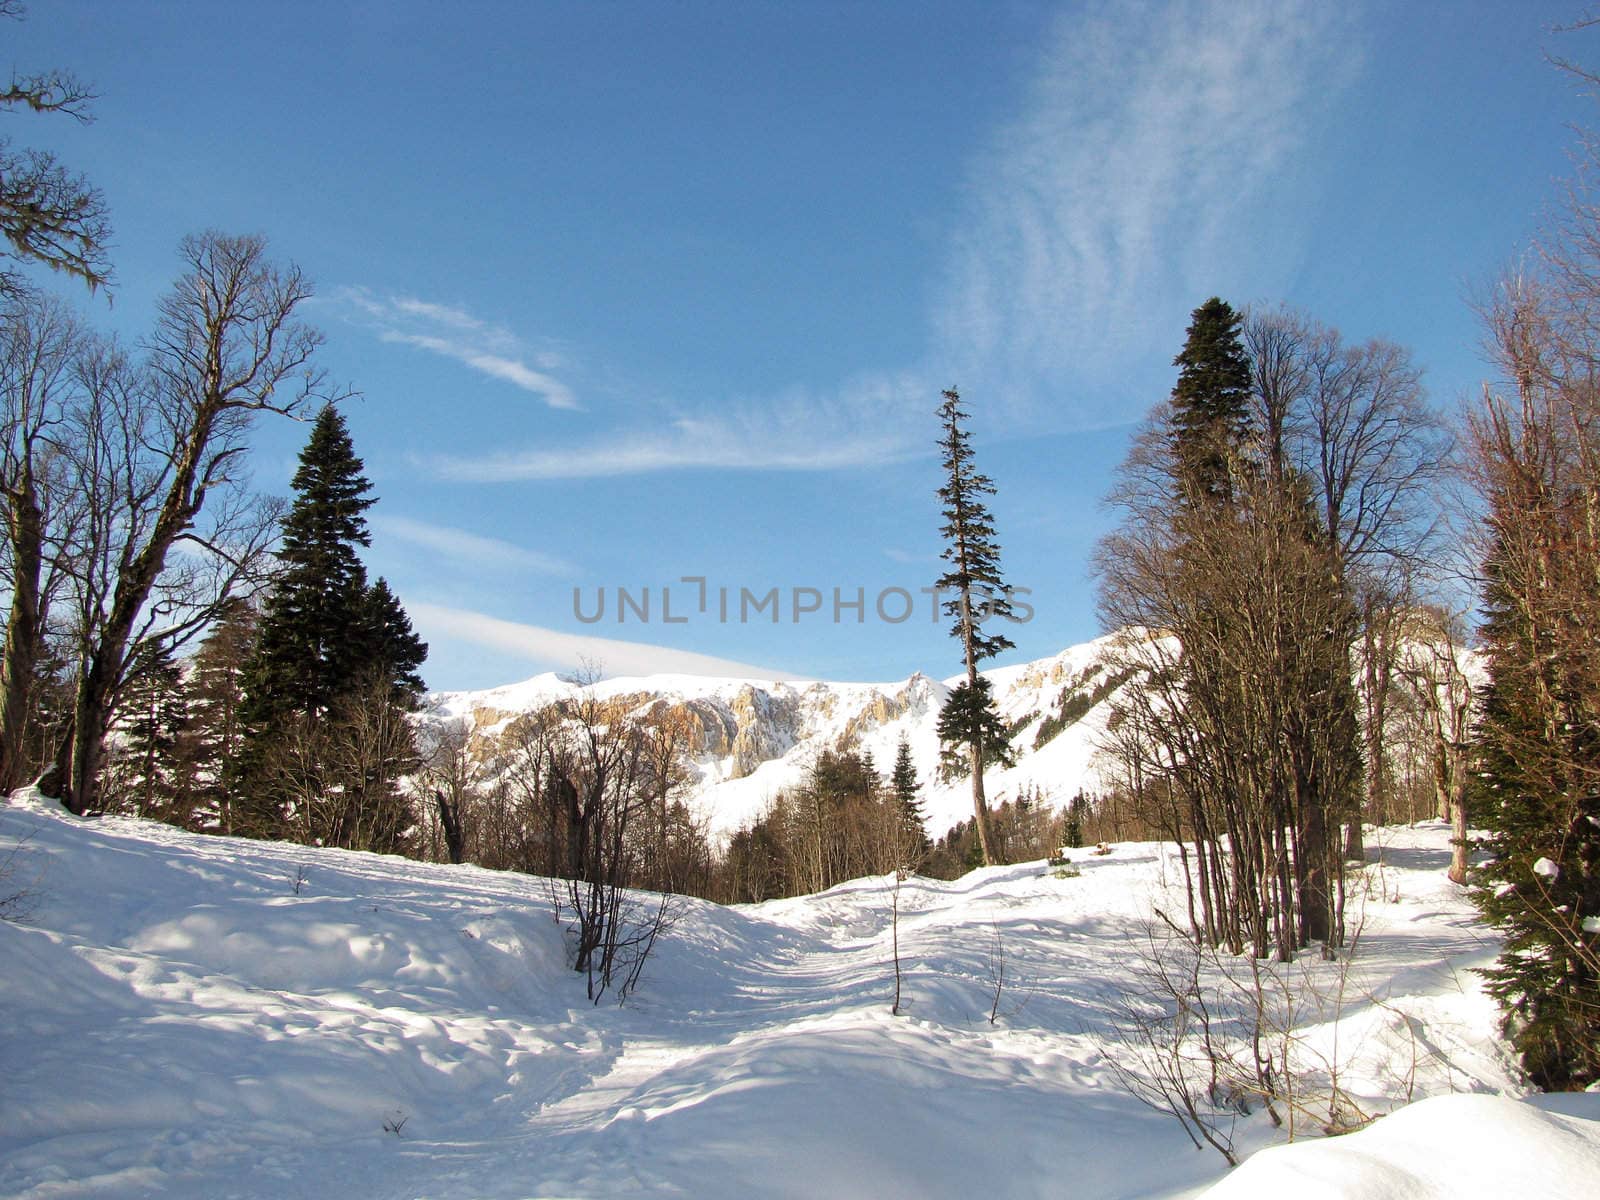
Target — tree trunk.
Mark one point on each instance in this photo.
(980, 806)
(450, 821)
(22, 635)
(1458, 830)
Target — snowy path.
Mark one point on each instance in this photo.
(181, 1022)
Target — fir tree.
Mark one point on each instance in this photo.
(905, 786)
(969, 713)
(306, 657)
(216, 691)
(1210, 401)
(149, 773)
(1077, 813)
(980, 594)
(1537, 796)
(335, 670)
(387, 646)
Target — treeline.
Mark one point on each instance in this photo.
(1294, 661)
(1275, 514)
(293, 718)
(591, 773)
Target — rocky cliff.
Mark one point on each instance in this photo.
(752, 738)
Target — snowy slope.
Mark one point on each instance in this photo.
(1445, 1148)
(205, 1018)
(758, 737)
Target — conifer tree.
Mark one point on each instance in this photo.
(150, 774)
(1072, 829)
(386, 646)
(334, 671)
(1538, 735)
(306, 656)
(1537, 799)
(980, 594)
(216, 700)
(905, 786)
(1211, 400)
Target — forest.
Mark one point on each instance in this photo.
(1305, 548)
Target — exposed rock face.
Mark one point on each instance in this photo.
(750, 738)
(768, 726)
(919, 696)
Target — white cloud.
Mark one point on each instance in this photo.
(868, 422)
(455, 333)
(1154, 163)
(556, 650)
(469, 548)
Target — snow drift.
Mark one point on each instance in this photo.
(197, 1017)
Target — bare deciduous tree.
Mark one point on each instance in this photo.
(162, 442)
(48, 214)
(40, 345)
(1242, 605)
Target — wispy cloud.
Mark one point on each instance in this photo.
(556, 650)
(906, 558)
(863, 424)
(455, 333)
(1152, 164)
(469, 549)
(1153, 160)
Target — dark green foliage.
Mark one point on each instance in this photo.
(1211, 400)
(1077, 815)
(839, 824)
(1537, 793)
(216, 698)
(973, 858)
(980, 594)
(307, 655)
(387, 646)
(333, 673)
(753, 866)
(905, 786)
(837, 775)
(969, 718)
(149, 772)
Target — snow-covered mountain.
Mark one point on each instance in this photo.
(756, 737)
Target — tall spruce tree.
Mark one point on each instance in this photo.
(1537, 799)
(387, 647)
(149, 773)
(1211, 400)
(216, 699)
(1537, 787)
(306, 656)
(913, 823)
(334, 672)
(968, 718)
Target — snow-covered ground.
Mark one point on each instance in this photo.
(756, 738)
(183, 1016)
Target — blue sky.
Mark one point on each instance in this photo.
(633, 292)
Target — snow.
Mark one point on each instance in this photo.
(801, 719)
(1544, 868)
(195, 1017)
(1445, 1148)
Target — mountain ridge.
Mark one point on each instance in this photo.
(752, 738)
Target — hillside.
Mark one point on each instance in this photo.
(195, 1017)
(754, 738)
